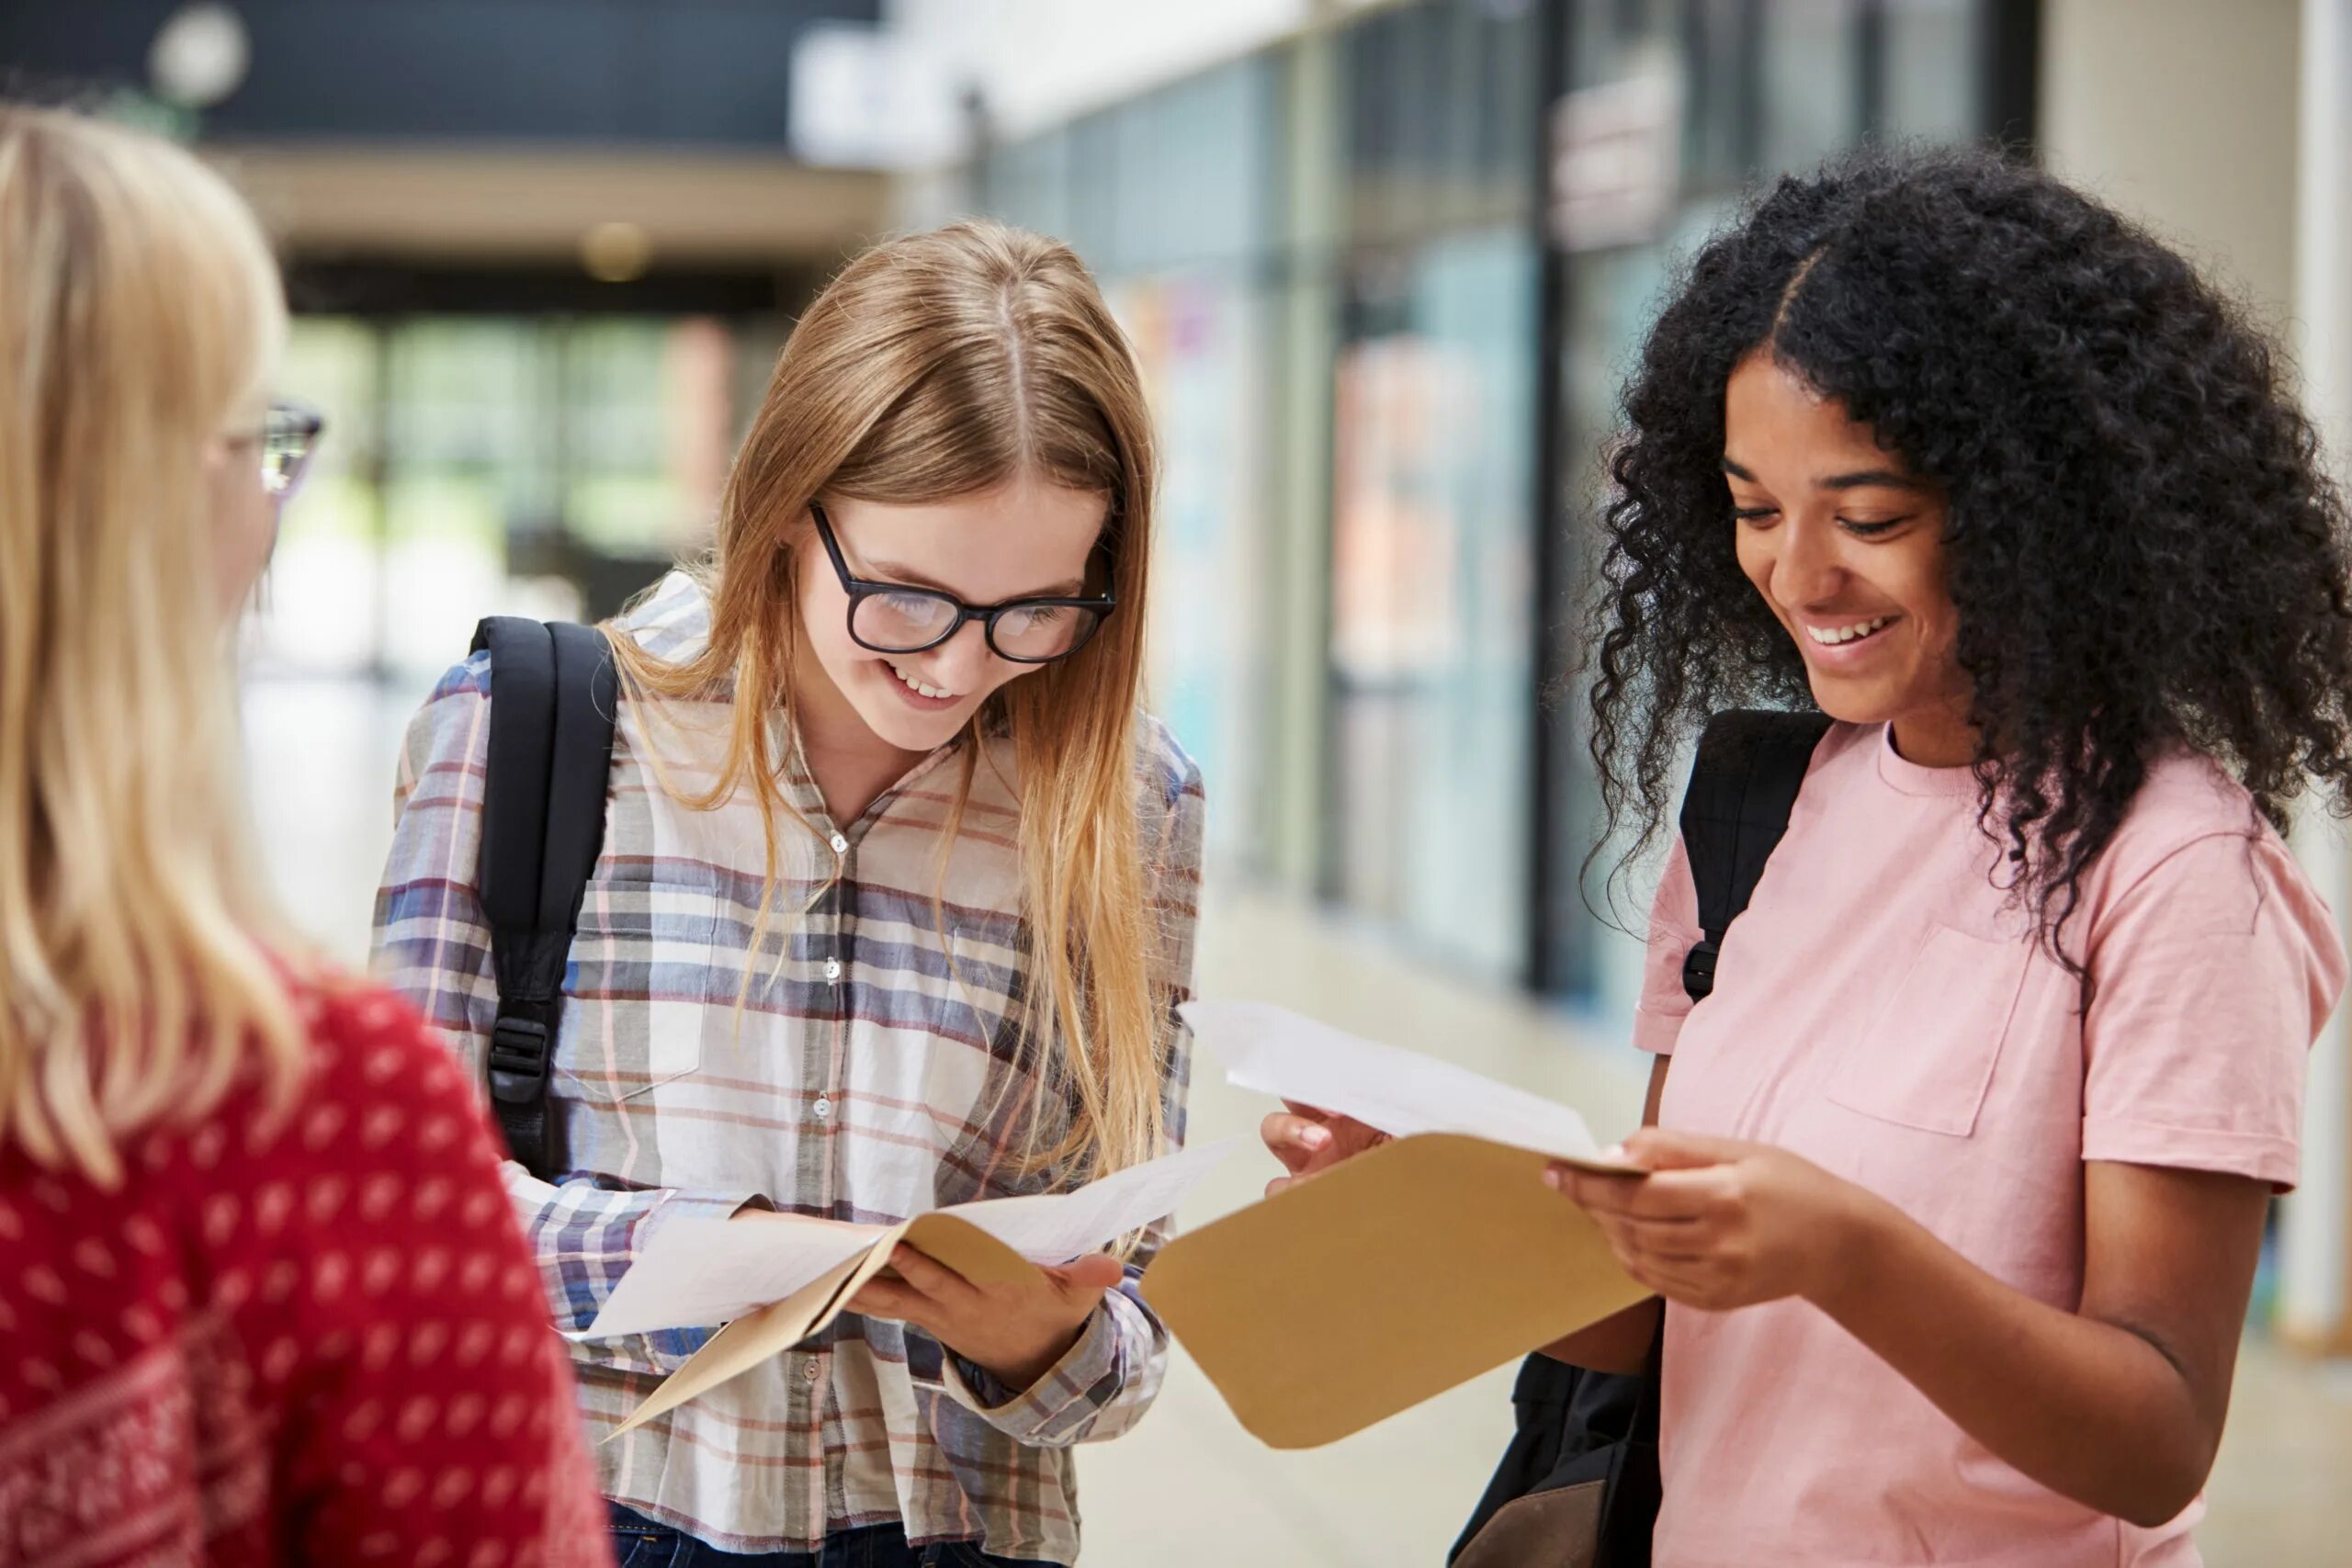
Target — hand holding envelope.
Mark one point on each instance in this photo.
(1014, 1329)
(1416, 1264)
(777, 1280)
(1309, 1141)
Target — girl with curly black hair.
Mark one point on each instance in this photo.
(1957, 1190)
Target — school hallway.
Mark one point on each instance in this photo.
(1189, 1487)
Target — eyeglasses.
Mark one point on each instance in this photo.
(888, 617)
(288, 435)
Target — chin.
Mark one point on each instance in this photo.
(914, 734)
(908, 731)
(1853, 702)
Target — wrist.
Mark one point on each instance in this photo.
(1024, 1374)
(1859, 1239)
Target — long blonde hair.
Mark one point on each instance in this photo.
(937, 366)
(139, 309)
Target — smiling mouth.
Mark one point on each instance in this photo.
(921, 688)
(1853, 632)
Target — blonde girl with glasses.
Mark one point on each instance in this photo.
(260, 1299)
(893, 905)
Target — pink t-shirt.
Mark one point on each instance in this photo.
(1878, 1012)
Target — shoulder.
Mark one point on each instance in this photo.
(448, 727)
(2193, 855)
(376, 1090)
(1167, 775)
(2188, 801)
(462, 687)
(373, 1050)
(672, 621)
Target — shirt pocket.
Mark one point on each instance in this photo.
(1927, 1058)
(640, 982)
(980, 1073)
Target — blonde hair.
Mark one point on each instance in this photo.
(937, 366)
(140, 308)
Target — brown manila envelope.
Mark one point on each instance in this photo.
(776, 1279)
(1402, 1272)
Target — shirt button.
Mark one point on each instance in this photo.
(833, 968)
(840, 845)
(809, 1370)
(824, 1107)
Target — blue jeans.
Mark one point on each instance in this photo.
(640, 1543)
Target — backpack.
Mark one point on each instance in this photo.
(553, 690)
(1578, 1485)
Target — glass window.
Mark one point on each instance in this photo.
(1442, 129)
(1200, 338)
(1933, 69)
(1432, 635)
(1029, 183)
(476, 464)
(1719, 106)
(1811, 77)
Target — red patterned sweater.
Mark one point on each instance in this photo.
(321, 1341)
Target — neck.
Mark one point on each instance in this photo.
(1936, 738)
(850, 764)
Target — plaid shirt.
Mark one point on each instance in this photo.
(874, 1071)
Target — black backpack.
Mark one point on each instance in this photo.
(1584, 1457)
(553, 693)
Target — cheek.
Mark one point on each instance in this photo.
(824, 618)
(246, 524)
(1925, 595)
(1753, 547)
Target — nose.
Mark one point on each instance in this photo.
(961, 663)
(1807, 570)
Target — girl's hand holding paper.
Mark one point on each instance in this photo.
(1014, 1331)
(1718, 1224)
(1309, 1142)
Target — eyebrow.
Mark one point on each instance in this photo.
(891, 571)
(1861, 479)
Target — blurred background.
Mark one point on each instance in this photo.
(1383, 262)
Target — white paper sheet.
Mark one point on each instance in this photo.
(1401, 1093)
(1057, 1227)
(700, 1273)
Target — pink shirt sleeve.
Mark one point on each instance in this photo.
(2214, 972)
(1674, 931)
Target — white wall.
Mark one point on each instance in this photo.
(2182, 114)
(2316, 1275)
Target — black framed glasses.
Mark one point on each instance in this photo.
(290, 434)
(891, 617)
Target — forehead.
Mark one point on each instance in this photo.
(1772, 416)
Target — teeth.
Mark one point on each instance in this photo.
(919, 688)
(1835, 634)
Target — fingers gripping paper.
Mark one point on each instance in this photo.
(1408, 1269)
(776, 1279)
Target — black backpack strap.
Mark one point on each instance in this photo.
(1750, 766)
(553, 690)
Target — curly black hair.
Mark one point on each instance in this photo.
(2143, 548)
